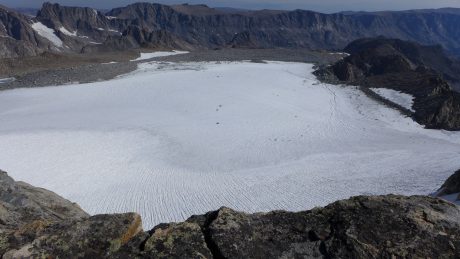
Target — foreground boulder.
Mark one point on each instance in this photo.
(94, 237)
(26, 210)
(361, 227)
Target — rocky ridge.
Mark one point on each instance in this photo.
(37, 223)
(17, 37)
(425, 72)
(201, 27)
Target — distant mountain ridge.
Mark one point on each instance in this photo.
(201, 27)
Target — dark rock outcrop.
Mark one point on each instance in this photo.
(39, 224)
(422, 71)
(26, 210)
(451, 186)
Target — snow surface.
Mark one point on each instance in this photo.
(7, 80)
(400, 98)
(150, 55)
(66, 32)
(172, 140)
(339, 53)
(112, 30)
(7, 37)
(47, 33)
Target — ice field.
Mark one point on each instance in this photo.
(175, 139)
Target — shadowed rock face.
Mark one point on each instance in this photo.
(451, 186)
(422, 71)
(201, 27)
(45, 225)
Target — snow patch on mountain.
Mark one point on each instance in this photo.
(47, 33)
(66, 32)
(400, 98)
(149, 55)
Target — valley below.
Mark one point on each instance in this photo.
(175, 138)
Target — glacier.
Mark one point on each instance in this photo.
(171, 140)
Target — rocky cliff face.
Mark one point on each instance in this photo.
(425, 72)
(79, 20)
(290, 28)
(198, 26)
(39, 224)
(17, 38)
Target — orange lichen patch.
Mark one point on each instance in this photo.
(133, 229)
(33, 227)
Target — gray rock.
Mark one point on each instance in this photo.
(361, 227)
(17, 38)
(177, 240)
(26, 210)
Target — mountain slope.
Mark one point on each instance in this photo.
(17, 37)
(424, 72)
(292, 28)
(198, 26)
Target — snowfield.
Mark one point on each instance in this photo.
(175, 139)
(47, 33)
(149, 55)
(67, 32)
(400, 98)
